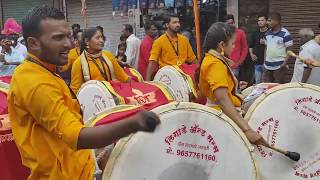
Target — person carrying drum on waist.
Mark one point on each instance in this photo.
(171, 48)
(95, 63)
(216, 79)
(45, 116)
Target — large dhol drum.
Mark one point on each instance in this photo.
(94, 97)
(288, 117)
(97, 96)
(193, 142)
(179, 82)
(10, 161)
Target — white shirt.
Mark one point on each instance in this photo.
(18, 53)
(310, 49)
(132, 51)
(277, 44)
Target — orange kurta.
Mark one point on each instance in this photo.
(214, 74)
(77, 76)
(46, 124)
(171, 51)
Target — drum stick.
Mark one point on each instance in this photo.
(290, 53)
(292, 155)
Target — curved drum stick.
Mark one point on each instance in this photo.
(290, 53)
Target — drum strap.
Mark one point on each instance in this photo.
(86, 70)
(228, 62)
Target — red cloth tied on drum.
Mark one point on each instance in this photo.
(142, 94)
(190, 69)
(133, 74)
(118, 115)
(10, 161)
(5, 79)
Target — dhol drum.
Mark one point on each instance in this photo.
(10, 161)
(179, 82)
(253, 92)
(288, 117)
(95, 96)
(193, 142)
(101, 155)
(133, 74)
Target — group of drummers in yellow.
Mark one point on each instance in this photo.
(46, 117)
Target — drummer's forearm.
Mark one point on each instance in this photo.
(306, 74)
(100, 136)
(151, 67)
(229, 109)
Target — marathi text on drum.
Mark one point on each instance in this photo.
(195, 129)
(197, 155)
(273, 134)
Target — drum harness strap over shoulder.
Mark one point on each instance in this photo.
(85, 66)
(227, 63)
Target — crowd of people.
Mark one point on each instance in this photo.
(46, 118)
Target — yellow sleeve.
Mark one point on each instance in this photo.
(155, 51)
(191, 56)
(118, 71)
(76, 76)
(216, 76)
(48, 108)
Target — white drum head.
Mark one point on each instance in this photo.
(288, 117)
(175, 81)
(94, 97)
(192, 143)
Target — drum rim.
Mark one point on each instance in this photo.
(101, 85)
(4, 86)
(273, 90)
(186, 78)
(119, 100)
(119, 148)
(136, 73)
(94, 119)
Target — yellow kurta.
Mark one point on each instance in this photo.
(164, 51)
(77, 76)
(46, 123)
(214, 74)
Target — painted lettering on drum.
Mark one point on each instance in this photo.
(141, 99)
(272, 127)
(306, 111)
(99, 102)
(301, 167)
(165, 79)
(206, 152)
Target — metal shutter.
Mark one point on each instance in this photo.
(99, 13)
(18, 9)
